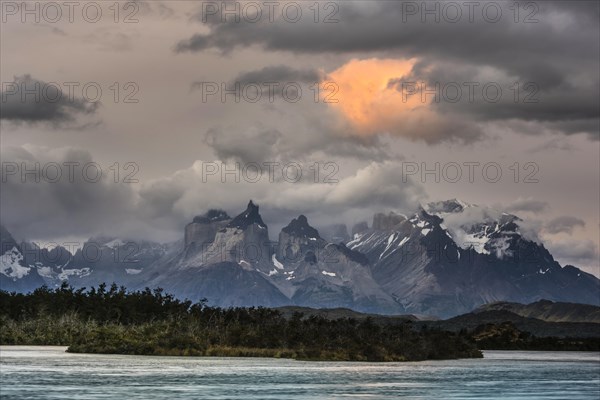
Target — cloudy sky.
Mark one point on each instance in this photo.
(138, 114)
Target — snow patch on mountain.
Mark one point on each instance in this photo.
(483, 229)
(290, 275)
(45, 272)
(66, 273)
(132, 271)
(11, 264)
(276, 262)
(467, 241)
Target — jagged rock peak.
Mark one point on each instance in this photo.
(204, 227)
(387, 221)
(299, 227)
(334, 233)
(360, 227)
(247, 218)
(212, 215)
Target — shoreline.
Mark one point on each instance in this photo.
(496, 354)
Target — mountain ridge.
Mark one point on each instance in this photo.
(437, 261)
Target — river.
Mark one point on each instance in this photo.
(47, 372)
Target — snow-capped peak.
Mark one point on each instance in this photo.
(447, 206)
(11, 264)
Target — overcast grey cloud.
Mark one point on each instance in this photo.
(29, 100)
(564, 224)
(526, 205)
(250, 146)
(575, 252)
(60, 192)
(44, 204)
(315, 141)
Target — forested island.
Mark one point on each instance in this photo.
(150, 322)
(112, 320)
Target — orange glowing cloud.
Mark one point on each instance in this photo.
(366, 99)
(375, 96)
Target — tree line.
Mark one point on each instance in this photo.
(152, 322)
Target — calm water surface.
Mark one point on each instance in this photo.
(42, 372)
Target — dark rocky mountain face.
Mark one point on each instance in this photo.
(434, 269)
(383, 222)
(243, 239)
(212, 215)
(249, 217)
(336, 233)
(298, 240)
(359, 227)
(226, 284)
(203, 229)
(230, 268)
(448, 258)
(300, 228)
(315, 273)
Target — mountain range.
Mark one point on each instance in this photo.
(447, 258)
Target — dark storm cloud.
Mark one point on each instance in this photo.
(29, 100)
(270, 81)
(279, 73)
(38, 203)
(564, 224)
(42, 196)
(385, 25)
(55, 193)
(545, 95)
(556, 54)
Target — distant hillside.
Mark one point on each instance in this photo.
(548, 311)
(478, 318)
(533, 326)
